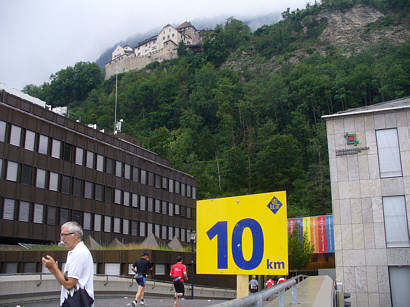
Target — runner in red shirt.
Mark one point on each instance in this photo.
(179, 275)
(269, 284)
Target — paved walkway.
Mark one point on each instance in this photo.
(114, 301)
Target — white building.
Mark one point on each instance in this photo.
(369, 157)
(185, 32)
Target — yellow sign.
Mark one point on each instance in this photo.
(243, 235)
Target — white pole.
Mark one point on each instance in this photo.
(115, 107)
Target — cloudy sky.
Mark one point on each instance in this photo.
(40, 37)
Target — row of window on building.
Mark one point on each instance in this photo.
(110, 268)
(32, 141)
(24, 211)
(26, 174)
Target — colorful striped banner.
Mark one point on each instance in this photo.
(319, 230)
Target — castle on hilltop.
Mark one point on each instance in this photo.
(160, 47)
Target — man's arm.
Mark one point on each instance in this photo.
(185, 274)
(133, 269)
(52, 266)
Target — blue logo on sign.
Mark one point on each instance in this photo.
(274, 205)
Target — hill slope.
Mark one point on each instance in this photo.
(244, 115)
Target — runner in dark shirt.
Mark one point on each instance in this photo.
(141, 268)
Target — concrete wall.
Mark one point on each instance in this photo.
(362, 259)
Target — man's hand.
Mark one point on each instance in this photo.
(50, 263)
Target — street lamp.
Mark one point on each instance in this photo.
(193, 237)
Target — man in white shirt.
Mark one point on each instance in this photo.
(79, 268)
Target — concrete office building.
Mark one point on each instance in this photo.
(53, 169)
(369, 157)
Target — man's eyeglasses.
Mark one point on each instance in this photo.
(66, 234)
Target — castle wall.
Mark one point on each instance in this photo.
(132, 62)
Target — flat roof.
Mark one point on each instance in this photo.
(401, 103)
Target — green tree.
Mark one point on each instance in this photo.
(299, 249)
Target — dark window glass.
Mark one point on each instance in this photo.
(135, 174)
(150, 204)
(66, 184)
(109, 165)
(90, 159)
(68, 152)
(77, 216)
(118, 168)
(151, 179)
(88, 190)
(78, 187)
(127, 171)
(108, 195)
(26, 174)
(143, 177)
(64, 215)
(99, 192)
(157, 206)
(51, 215)
(165, 183)
(158, 181)
(134, 228)
(24, 211)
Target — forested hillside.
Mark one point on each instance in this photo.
(244, 115)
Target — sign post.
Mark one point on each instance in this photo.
(243, 235)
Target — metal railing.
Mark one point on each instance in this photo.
(256, 300)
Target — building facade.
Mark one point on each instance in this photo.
(53, 169)
(369, 157)
(160, 47)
